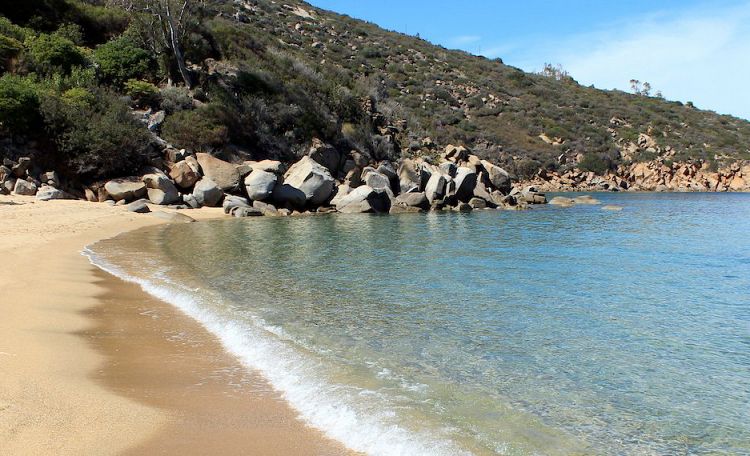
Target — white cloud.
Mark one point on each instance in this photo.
(701, 56)
(464, 40)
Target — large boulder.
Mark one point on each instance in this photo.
(48, 193)
(410, 176)
(435, 188)
(312, 179)
(341, 192)
(418, 200)
(160, 189)
(285, 195)
(376, 180)
(326, 155)
(364, 199)
(139, 206)
(499, 178)
(466, 181)
(183, 174)
(260, 184)
(208, 193)
(9, 184)
(19, 169)
(270, 166)
(125, 189)
(224, 174)
(24, 188)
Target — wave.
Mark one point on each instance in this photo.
(358, 418)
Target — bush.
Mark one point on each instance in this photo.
(144, 94)
(19, 104)
(53, 53)
(596, 163)
(121, 59)
(201, 129)
(78, 96)
(176, 99)
(10, 49)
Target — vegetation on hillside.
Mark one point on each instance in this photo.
(257, 79)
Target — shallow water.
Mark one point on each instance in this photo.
(551, 331)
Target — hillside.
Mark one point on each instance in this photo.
(267, 78)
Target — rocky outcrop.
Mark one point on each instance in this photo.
(183, 174)
(24, 188)
(224, 174)
(125, 189)
(364, 199)
(259, 184)
(160, 189)
(207, 193)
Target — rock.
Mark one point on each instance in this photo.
(160, 189)
(125, 189)
(269, 166)
(612, 208)
(364, 199)
(286, 195)
(449, 168)
(5, 173)
(326, 155)
(139, 206)
(224, 174)
(266, 209)
(435, 188)
(353, 178)
(260, 184)
(455, 153)
(413, 200)
(174, 217)
(463, 207)
(562, 201)
(586, 199)
(19, 170)
(386, 168)
(24, 188)
(478, 203)
(409, 175)
(402, 209)
(241, 212)
(207, 193)
(190, 201)
(466, 181)
(9, 185)
(47, 193)
(499, 178)
(312, 179)
(341, 192)
(155, 120)
(183, 174)
(90, 195)
(50, 178)
(376, 180)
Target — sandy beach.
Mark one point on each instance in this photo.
(90, 364)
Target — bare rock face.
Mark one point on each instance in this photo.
(183, 174)
(260, 184)
(466, 181)
(499, 178)
(410, 175)
(312, 179)
(436, 187)
(125, 189)
(418, 200)
(208, 193)
(224, 174)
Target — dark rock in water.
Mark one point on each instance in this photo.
(224, 174)
(365, 199)
(47, 193)
(286, 195)
(183, 174)
(401, 209)
(463, 207)
(207, 193)
(260, 184)
(19, 170)
(24, 188)
(241, 212)
(466, 181)
(125, 189)
(174, 217)
(418, 200)
(140, 206)
(312, 179)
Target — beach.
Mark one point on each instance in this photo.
(90, 364)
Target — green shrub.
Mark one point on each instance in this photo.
(144, 94)
(202, 129)
(53, 53)
(78, 96)
(121, 59)
(19, 104)
(72, 32)
(596, 163)
(175, 99)
(10, 49)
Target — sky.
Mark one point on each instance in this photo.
(690, 50)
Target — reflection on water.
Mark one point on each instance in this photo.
(549, 331)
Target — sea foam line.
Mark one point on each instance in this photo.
(329, 408)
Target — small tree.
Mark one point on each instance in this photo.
(555, 71)
(641, 88)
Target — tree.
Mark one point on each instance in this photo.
(555, 71)
(163, 25)
(641, 88)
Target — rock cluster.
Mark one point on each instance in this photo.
(654, 176)
(19, 178)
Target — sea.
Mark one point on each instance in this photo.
(552, 331)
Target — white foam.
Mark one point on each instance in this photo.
(354, 417)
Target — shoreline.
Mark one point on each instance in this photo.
(83, 370)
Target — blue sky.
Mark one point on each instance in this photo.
(691, 50)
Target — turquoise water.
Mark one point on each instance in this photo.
(551, 331)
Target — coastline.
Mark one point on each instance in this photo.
(84, 371)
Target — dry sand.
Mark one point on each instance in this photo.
(92, 365)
